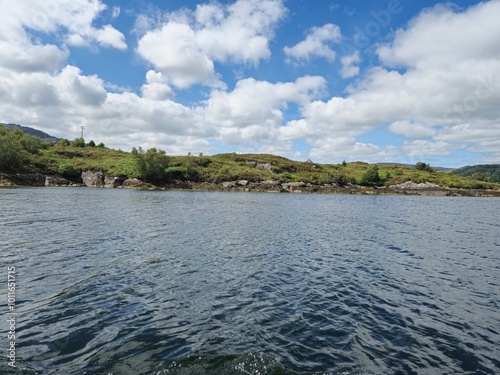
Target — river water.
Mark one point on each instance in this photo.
(112, 281)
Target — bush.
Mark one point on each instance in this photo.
(79, 142)
(151, 165)
(63, 143)
(91, 144)
(424, 167)
(70, 172)
(371, 177)
(12, 153)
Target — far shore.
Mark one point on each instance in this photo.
(408, 188)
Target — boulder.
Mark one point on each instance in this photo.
(134, 183)
(91, 179)
(113, 182)
(242, 182)
(229, 184)
(57, 181)
(264, 167)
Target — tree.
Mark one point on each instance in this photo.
(101, 145)
(371, 176)
(91, 144)
(12, 153)
(79, 142)
(63, 143)
(420, 166)
(151, 164)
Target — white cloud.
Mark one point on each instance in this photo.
(185, 47)
(73, 20)
(422, 147)
(239, 32)
(157, 87)
(316, 44)
(173, 51)
(253, 111)
(449, 92)
(349, 68)
(411, 129)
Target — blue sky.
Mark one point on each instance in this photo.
(380, 81)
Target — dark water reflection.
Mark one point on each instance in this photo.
(126, 282)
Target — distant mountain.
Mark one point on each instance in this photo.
(37, 133)
(484, 172)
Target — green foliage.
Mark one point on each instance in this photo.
(420, 166)
(69, 171)
(79, 142)
(91, 144)
(151, 164)
(101, 145)
(63, 143)
(371, 177)
(485, 172)
(12, 154)
(344, 164)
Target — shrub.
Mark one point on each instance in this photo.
(371, 176)
(63, 143)
(420, 166)
(91, 144)
(69, 171)
(79, 142)
(151, 165)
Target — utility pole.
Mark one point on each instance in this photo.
(83, 128)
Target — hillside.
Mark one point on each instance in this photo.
(490, 173)
(26, 154)
(30, 131)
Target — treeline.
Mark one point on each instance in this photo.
(488, 173)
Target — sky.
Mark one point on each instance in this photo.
(379, 81)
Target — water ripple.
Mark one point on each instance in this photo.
(125, 282)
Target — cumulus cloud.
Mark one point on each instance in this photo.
(253, 111)
(157, 87)
(316, 44)
(446, 90)
(409, 129)
(185, 47)
(73, 20)
(349, 68)
(173, 50)
(240, 32)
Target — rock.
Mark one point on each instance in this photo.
(229, 184)
(91, 179)
(242, 182)
(264, 167)
(134, 183)
(113, 182)
(270, 183)
(291, 186)
(410, 185)
(57, 181)
(25, 179)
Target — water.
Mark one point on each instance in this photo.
(134, 282)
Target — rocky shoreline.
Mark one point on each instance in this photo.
(100, 180)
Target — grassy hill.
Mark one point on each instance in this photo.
(69, 159)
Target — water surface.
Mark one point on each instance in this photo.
(135, 282)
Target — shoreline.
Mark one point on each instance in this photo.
(98, 180)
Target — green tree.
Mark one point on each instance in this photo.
(79, 142)
(63, 143)
(91, 144)
(420, 166)
(151, 164)
(371, 176)
(12, 153)
(101, 145)
(31, 144)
